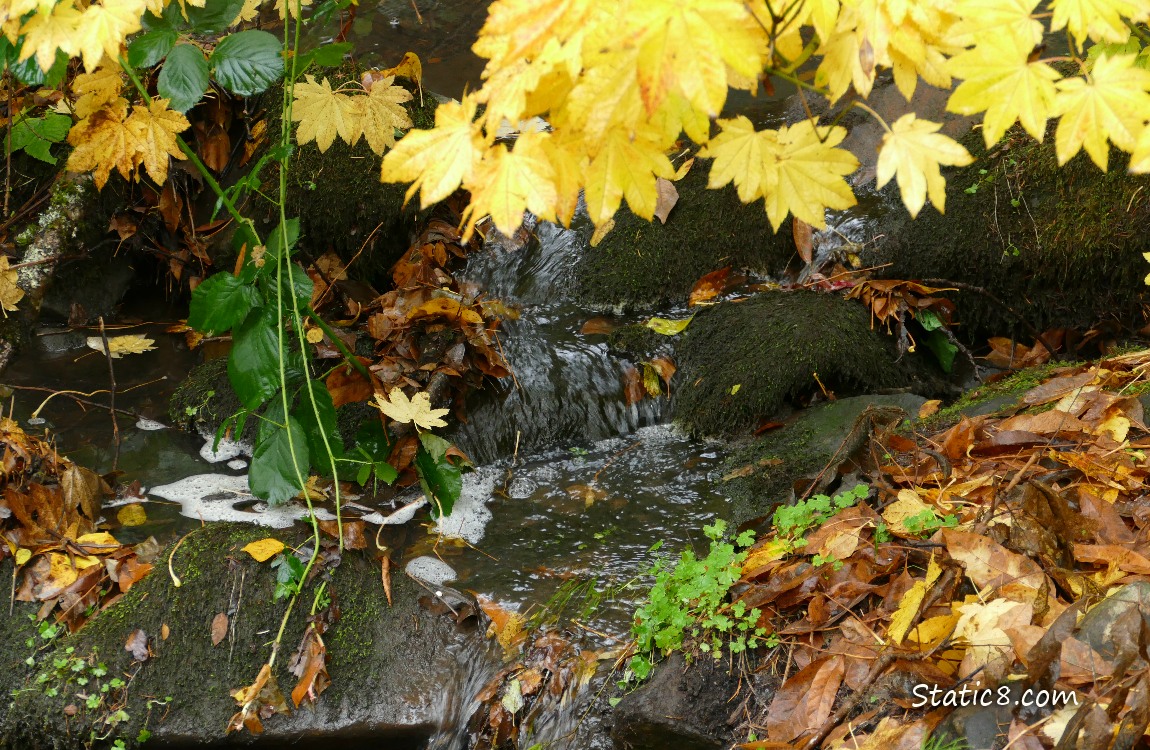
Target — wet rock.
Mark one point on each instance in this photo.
(740, 362)
(978, 727)
(641, 265)
(680, 706)
(1061, 245)
(1104, 628)
(389, 665)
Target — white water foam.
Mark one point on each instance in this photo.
(430, 570)
(225, 451)
(212, 497)
(150, 424)
(470, 516)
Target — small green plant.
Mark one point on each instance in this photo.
(926, 523)
(792, 522)
(688, 606)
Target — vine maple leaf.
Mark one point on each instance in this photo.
(625, 167)
(104, 27)
(514, 181)
(1109, 104)
(1100, 20)
(738, 151)
(803, 174)
(10, 291)
(44, 33)
(96, 89)
(381, 112)
(998, 78)
(416, 410)
(323, 114)
(980, 17)
(102, 143)
(436, 161)
(154, 128)
(913, 150)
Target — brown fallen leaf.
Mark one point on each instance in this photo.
(633, 390)
(219, 628)
(666, 196)
(805, 700)
(137, 645)
(929, 408)
(310, 665)
(385, 573)
(597, 327)
(802, 233)
(709, 286)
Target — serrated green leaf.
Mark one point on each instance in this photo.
(316, 429)
(273, 475)
(184, 77)
(248, 62)
(440, 479)
(149, 48)
(29, 73)
(215, 16)
(253, 364)
(36, 135)
(220, 303)
(276, 239)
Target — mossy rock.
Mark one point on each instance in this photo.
(761, 473)
(205, 399)
(387, 663)
(643, 265)
(338, 196)
(1061, 245)
(740, 361)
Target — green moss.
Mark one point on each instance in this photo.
(636, 341)
(205, 399)
(641, 265)
(1061, 245)
(739, 362)
(1001, 395)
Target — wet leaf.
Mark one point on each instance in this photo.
(666, 196)
(669, 327)
(802, 234)
(805, 700)
(264, 549)
(132, 514)
(310, 666)
(908, 606)
(10, 292)
(137, 645)
(710, 286)
(416, 410)
(597, 327)
(219, 628)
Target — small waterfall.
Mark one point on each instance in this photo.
(566, 388)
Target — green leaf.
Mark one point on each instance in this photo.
(36, 135)
(327, 56)
(929, 320)
(248, 62)
(221, 303)
(316, 429)
(942, 348)
(273, 474)
(668, 327)
(184, 77)
(29, 72)
(301, 286)
(276, 239)
(215, 16)
(253, 365)
(149, 48)
(439, 477)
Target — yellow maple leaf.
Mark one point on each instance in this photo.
(910, 602)
(1110, 103)
(381, 112)
(102, 143)
(1100, 20)
(980, 17)
(568, 163)
(998, 78)
(1140, 156)
(118, 346)
(508, 182)
(10, 292)
(738, 151)
(45, 32)
(912, 150)
(154, 128)
(803, 174)
(250, 10)
(518, 29)
(436, 161)
(625, 167)
(323, 114)
(104, 27)
(416, 410)
(97, 89)
(293, 7)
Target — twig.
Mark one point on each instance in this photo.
(417, 14)
(175, 578)
(111, 396)
(236, 616)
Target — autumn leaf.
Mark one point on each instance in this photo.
(669, 327)
(103, 28)
(1099, 20)
(154, 128)
(998, 78)
(264, 549)
(101, 143)
(516, 181)
(627, 167)
(912, 150)
(435, 162)
(381, 112)
(118, 346)
(416, 410)
(1110, 103)
(10, 292)
(323, 114)
(132, 514)
(908, 606)
(46, 32)
(97, 89)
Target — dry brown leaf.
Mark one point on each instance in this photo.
(219, 628)
(805, 700)
(666, 196)
(802, 234)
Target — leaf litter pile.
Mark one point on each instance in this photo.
(1008, 553)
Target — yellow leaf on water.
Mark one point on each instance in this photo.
(264, 549)
(416, 410)
(99, 542)
(118, 346)
(132, 514)
(669, 327)
(913, 150)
